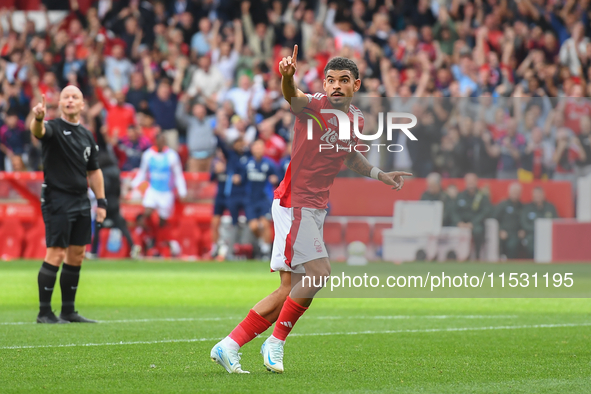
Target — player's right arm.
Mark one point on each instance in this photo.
(142, 173)
(294, 96)
(37, 123)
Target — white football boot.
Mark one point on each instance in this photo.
(272, 351)
(227, 358)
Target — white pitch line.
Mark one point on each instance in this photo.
(191, 319)
(313, 334)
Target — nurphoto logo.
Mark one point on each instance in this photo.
(337, 132)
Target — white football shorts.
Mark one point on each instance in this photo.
(162, 202)
(298, 237)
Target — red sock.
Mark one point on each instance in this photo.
(289, 315)
(252, 325)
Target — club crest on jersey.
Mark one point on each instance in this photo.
(339, 135)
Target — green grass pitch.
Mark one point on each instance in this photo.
(160, 320)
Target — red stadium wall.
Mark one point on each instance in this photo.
(20, 208)
(371, 198)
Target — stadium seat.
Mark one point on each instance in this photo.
(35, 246)
(12, 235)
(357, 231)
(333, 239)
(205, 239)
(333, 233)
(187, 234)
(378, 228)
(105, 253)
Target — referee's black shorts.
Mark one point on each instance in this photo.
(67, 218)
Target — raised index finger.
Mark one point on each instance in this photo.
(403, 173)
(295, 52)
(43, 100)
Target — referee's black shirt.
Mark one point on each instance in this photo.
(68, 151)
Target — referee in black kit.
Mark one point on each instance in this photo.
(69, 155)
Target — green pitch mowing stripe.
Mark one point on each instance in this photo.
(174, 312)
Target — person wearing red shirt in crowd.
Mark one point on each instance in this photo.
(120, 115)
(148, 126)
(536, 159)
(575, 107)
(568, 152)
(274, 144)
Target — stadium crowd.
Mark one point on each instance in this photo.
(499, 86)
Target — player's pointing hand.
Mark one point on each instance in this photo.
(394, 178)
(288, 65)
(39, 109)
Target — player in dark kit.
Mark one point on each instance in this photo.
(70, 163)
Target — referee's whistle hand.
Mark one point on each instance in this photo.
(101, 214)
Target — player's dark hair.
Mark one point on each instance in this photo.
(342, 63)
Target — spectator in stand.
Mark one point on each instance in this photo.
(246, 95)
(260, 37)
(118, 69)
(567, 154)
(536, 159)
(434, 192)
(137, 94)
(575, 106)
(130, 148)
(206, 81)
(120, 115)
(223, 56)
(572, 48)
(275, 146)
(585, 143)
(13, 138)
(512, 145)
(538, 208)
(201, 140)
(508, 214)
(472, 207)
(148, 127)
(200, 42)
(163, 100)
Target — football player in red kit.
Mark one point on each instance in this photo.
(299, 208)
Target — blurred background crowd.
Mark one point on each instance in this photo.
(499, 86)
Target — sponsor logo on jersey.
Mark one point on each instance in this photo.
(67, 132)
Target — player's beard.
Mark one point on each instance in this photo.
(340, 102)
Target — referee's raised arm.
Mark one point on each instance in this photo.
(37, 126)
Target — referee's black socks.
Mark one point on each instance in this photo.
(46, 282)
(69, 284)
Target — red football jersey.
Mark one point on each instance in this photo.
(574, 110)
(312, 171)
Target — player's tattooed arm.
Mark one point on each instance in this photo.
(358, 163)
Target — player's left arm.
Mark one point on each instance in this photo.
(358, 163)
(179, 177)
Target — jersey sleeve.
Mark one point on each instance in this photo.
(49, 130)
(93, 159)
(316, 101)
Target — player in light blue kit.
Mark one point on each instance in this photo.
(162, 167)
